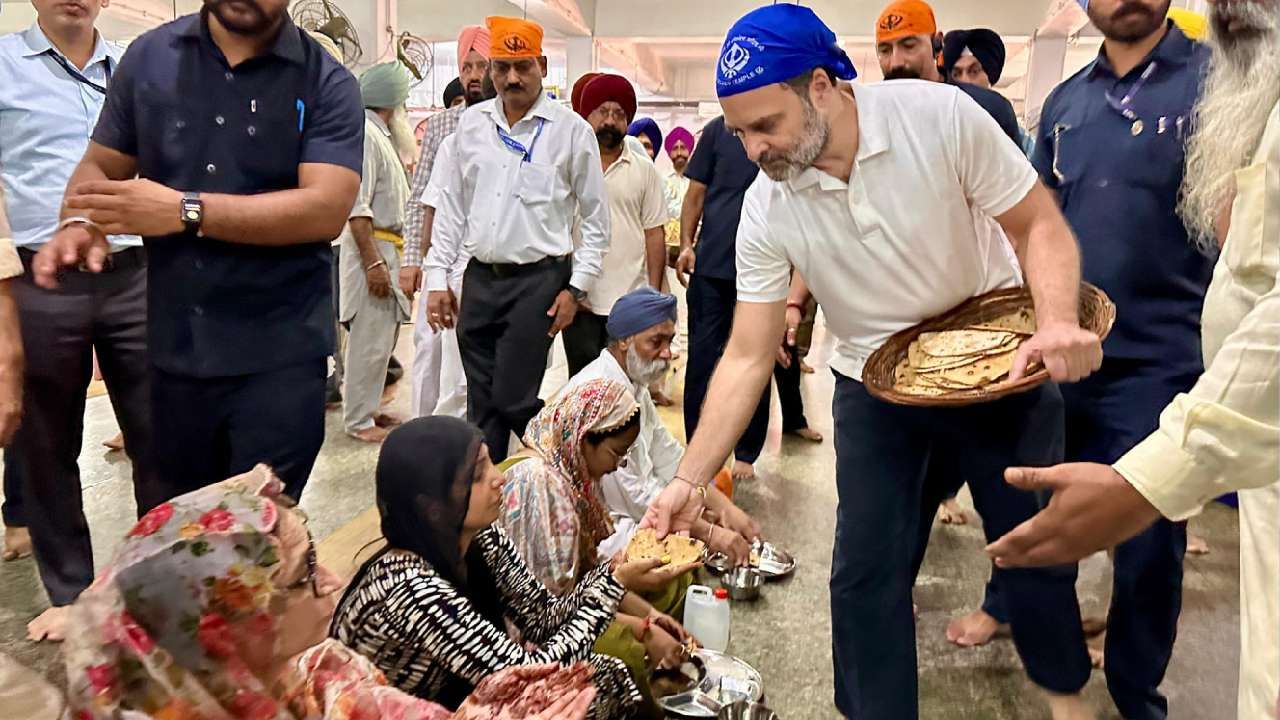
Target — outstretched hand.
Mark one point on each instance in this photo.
(1093, 508)
(675, 510)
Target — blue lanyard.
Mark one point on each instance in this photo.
(526, 154)
(1122, 105)
(79, 76)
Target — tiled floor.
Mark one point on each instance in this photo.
(787, 633)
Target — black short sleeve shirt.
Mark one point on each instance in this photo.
(194, 123)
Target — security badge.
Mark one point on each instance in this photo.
(1137, 128)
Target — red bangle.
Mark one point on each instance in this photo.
(798, 306)
(644, 629)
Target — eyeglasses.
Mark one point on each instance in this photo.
(612, 113)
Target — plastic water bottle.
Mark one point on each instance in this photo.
(706, 616)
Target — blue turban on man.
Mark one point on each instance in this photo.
(774, 44)
(649, 128)
(638, 311)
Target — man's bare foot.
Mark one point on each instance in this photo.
(1097, 657)
(915, 611)
(661, 400)
(743, 471)
(975, 629)
(806, 369)
(950, 513)
(1197, 545)
(115, 444)
(1069, 707)
(387, 420)
(1094, 626)
(807, 434)
(373, 435)
(17, 543)
(51, 625)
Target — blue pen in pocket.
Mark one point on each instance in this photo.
(302, 113)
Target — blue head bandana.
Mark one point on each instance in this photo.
(638, 311)
(775, 43)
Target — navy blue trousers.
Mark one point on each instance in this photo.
(894, 464)
(1107, 415)
(12, 510)
(711, 304)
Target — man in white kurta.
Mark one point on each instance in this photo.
(1223, 435)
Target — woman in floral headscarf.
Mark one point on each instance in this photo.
(554, 513)
(214, 609)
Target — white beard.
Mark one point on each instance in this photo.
(402, 137)
(645, 372)
(1240, 92)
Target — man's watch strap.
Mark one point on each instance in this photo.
(192, 211)
(577, 294)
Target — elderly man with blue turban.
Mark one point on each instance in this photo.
(370, 302)
(641, 327)
(880, 260)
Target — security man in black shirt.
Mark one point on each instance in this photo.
(232, 143)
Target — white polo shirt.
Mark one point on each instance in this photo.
(902, 241)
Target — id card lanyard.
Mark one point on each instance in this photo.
(1124, 105)
(526, 154)
(79, 76)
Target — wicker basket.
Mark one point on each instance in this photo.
(1097, 314)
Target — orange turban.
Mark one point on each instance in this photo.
(904, 18)
(513, 38)
(473, 37)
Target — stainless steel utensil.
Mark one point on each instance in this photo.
(743, 583)
(746, 710)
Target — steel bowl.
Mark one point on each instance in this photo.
(717, 563)
(746, 710)
(743, 583)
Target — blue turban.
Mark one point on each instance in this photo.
(774, 44)
(638, 311)
(648, 127)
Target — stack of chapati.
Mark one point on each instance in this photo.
(964, 359)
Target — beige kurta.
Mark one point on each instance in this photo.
(1224, 434)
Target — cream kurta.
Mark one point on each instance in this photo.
(1224, 434)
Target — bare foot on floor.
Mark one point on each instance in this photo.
(743, 472)
(807, 434)
(1069, 707)
(1094, 626)
(17, 543)
(950, 513)
(387, 420)
(805, 368)
(51, 625)
(374, 435)
(975, 629)
(661, 400)
(1197, 545)
(115, 444)
(1096, 657)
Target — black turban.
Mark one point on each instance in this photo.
(452, 92)
(985, 45)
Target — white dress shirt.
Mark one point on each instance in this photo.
(898, 243)
(1224, 434)
(500, 208)
(433, 197)
(46, 118)
(651, 461)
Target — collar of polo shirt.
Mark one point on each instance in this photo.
(1174, 50)
(873, 139)
(288, 44)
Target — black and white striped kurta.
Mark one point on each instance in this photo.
(422, 633)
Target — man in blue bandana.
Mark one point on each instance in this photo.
(850, 197)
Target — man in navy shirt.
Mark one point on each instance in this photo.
(719, 174)
(1110, 144)
(232, 143)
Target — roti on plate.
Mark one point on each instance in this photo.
(674, 550)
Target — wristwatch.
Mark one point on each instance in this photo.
(192, 211)
(578, 295)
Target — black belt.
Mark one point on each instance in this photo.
(127, 259)
(504, 270)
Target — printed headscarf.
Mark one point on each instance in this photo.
(557, 432)
(157, 633)
(774, 44)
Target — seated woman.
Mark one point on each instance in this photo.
(430, 609)
(556, 516)
(214, 608)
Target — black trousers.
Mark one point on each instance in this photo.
(893, 466)
(12, 511)
(711, 303)
(61, 329)
(209, 429)
(1107, 414)
(584, 339)
(503, 337)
